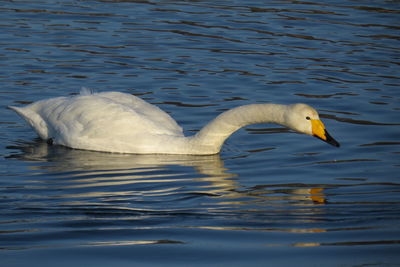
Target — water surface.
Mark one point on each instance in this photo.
(271, 198)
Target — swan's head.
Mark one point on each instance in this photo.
(305, 119)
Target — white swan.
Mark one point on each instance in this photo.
(123, 123)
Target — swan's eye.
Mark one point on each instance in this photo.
(308, 118)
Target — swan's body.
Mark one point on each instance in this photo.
(123, 123)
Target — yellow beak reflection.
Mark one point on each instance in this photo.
(319, 131)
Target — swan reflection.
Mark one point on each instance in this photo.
(73, 169)
(91, 169)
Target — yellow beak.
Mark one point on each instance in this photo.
(319, 131)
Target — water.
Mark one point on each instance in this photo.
(271, 198)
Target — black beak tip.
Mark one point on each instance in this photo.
(330, 140)
(334, 143)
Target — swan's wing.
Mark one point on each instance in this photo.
(92, 121)
(145, 109)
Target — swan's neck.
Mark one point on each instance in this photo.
(211, 138)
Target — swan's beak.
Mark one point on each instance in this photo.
(319, 131)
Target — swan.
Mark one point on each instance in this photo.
(123, 123)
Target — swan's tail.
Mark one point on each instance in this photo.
(33, 119)
(18, 110)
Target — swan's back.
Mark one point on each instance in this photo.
(152, 116)
(107, 121)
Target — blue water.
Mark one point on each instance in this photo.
(270, 198)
